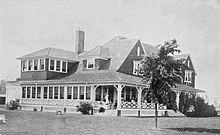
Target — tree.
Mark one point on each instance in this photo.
(160, 71)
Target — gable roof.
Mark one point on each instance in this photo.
(149, 49)
(181, 56)
(51, 53)
(119, 48)
(98, 51)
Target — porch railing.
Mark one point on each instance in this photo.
(134, 105)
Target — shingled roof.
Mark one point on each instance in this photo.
(51, 53)
(185, 88)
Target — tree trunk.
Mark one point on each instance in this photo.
(156, 114)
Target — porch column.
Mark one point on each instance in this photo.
(119, 89)
(177, 98)
(139, 89)
(93, 92)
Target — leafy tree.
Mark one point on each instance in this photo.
(160, 71)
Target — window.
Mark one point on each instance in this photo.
(33, 92)
(55, 92)
(64, 66)
(41, 64)
(81, 92)
(50, 92)
(28, 92)
(23, 92)
(24, 66)
(35, 64)
(188, 63)
(69, 92)
(30, 65)
(91, 63)
(188, 76)
(75, 92)
(137, 68)
(88, 92)
(58, 66)
(62, 92)
(51, 64)
(45, 92)
(38, 92)
(138, 51)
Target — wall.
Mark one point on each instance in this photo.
(127, 66)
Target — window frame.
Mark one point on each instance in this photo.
(92, 60)
(188, 74)
(136, 68)
(60, 66)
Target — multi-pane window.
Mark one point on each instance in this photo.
(55, 92)
(41, 64)
(62, 92)
(88, 92)
(137, 68)
(91, 63)
(45, 92)
(23, 92)
(188, 76)
(64, 66)
(50, 92)
(75, 92)
(51, 64)
(81, 92)
(38, 92)
(35, 64)
(33, 92)
(24, 66)
(58, 65)
(28, 92)
(69, 92)
(30, 64)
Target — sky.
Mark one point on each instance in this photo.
(30, 25)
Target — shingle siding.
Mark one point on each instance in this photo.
(127, 66)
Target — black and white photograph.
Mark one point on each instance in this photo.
(109, 67)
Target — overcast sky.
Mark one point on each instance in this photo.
(31, 25)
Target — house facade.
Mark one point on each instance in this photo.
(54, 77)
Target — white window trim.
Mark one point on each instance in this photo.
(55, 65)
(32, 69)
(136, 65)
(138, 51)
(188, 74)
(87, 63)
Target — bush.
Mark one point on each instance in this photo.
(85, 108)
(202, 109)
(13, 104)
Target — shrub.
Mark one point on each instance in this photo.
(202, 109)
(13, 104)
(85, 108)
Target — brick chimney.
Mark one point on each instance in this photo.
(80, 40)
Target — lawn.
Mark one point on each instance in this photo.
(28, 122)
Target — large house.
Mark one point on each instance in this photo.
(54, 77)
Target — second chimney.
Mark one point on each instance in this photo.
(80, 40)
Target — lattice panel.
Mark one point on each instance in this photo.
(72, 103)
(53, 102)
(30, 101)
(129, 105)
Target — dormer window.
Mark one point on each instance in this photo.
(33, 65)
(90, 63)
(188, 76)
(138, 51)
(137, 67)
(57, 65)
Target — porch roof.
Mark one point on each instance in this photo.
(94, 77)
(186, 88)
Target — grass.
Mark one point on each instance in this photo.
(27, 122)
